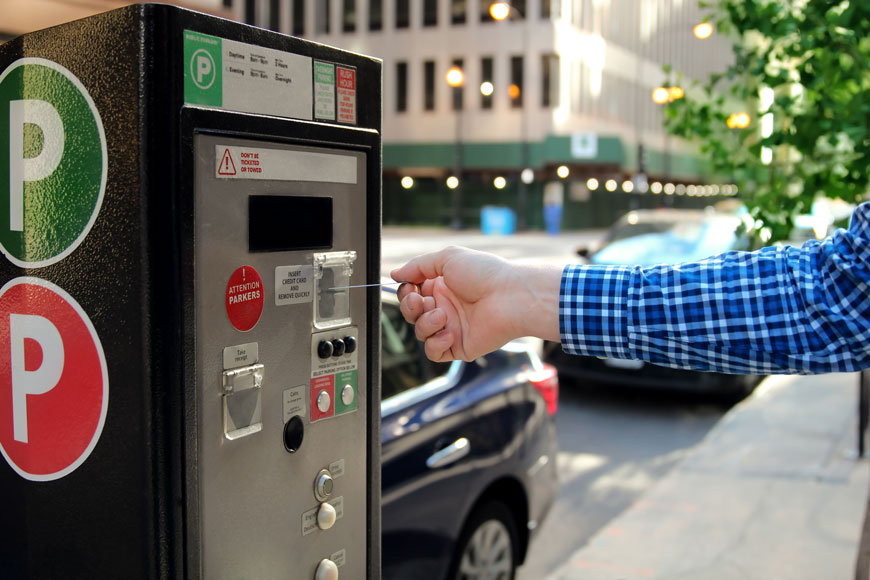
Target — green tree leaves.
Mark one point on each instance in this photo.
(813, 58)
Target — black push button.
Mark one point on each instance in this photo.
(294, 431)
(349, 344)
(338, 347)
(324, 349)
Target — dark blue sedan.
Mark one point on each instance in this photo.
(468, 457)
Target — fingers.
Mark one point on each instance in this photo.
(417, 302)
(438, 347)
(411, 307)
(424, 267)
(406, 289)
(431, 328)
(416, 271)
(430, 323)
(412, 303)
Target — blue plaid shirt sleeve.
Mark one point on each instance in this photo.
(778, 310)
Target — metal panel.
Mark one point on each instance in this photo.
(256, 498)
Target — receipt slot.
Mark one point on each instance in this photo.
(188, 389)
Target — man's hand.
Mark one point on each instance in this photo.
(465, 303)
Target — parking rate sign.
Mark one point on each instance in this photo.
(54, 384)
(53, 162)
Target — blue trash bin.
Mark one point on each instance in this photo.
(553, 218)
(497, 220)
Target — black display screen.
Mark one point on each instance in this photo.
(279, 223)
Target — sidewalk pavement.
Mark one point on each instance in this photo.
(773, 492)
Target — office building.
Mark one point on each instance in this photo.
(555, 101)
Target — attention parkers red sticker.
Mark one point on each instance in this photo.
(54, 384)
(244, 298)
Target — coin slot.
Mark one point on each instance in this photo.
(294, 433)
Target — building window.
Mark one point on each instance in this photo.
(251, 12)
(517, 11)
(457, 91)
(348, 16)
(551, 9)
(403, 14)
(458, 10)
(322, 17)
(430, 12)
(550, 80)
(486, 82)
(586, 15)
(376, 14)
(401, 87)
(576, 92)
(485, 16)
(515, 90)
(275, 15)
(298, 17)
(429, 85)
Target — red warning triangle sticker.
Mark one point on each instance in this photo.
(227, 167)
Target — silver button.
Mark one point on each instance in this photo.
(323, 485)
(347, 395)
(326, 570)
(323, 401)
(326, 516)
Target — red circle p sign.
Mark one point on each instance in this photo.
(54, 384)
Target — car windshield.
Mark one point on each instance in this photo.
(660, 240)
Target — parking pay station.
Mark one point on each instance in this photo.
(187, 387)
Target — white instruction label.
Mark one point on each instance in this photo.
(295, 402)
(237, 76)
(263, 80)
(241, 355)
(340, 558)
(293, 284)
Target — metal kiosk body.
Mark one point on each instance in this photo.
(186, 391)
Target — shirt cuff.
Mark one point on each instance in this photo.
(592, 310)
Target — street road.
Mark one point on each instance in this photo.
(615, 444)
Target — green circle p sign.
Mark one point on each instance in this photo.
(53, 162)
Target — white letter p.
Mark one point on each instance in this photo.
(39, 381)
(203, 68)
(21, 169)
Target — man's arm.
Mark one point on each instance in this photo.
(778, 310)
